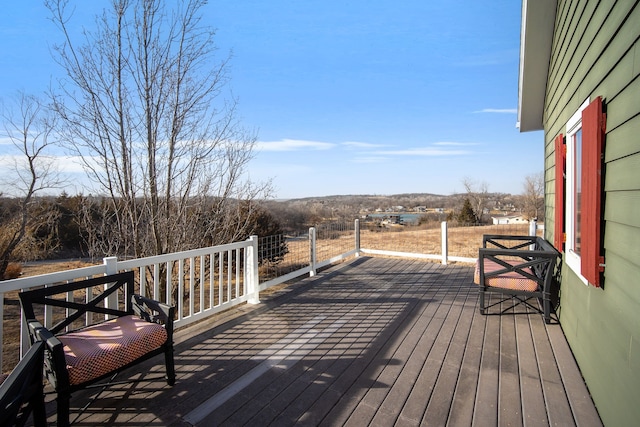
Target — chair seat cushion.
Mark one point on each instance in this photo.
(508, 280)
(99, 349)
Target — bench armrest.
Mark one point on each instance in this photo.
(154, 311)
(55, 363)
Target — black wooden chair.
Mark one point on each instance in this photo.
(21, 392)
(518, 268)
(83, 349)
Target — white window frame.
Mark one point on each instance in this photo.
(572, 258)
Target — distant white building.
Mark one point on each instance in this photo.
(509, 219)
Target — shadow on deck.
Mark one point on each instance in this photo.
(377, 342)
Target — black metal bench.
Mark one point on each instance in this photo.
(102, 328)
(517, 267)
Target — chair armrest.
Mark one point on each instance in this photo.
(153, 311)
(55, 362)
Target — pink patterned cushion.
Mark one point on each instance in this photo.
(509, 280)
(105, 347)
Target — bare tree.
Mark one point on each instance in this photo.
(533, 196)
(143, 104)
(28, 126)
(478, 195)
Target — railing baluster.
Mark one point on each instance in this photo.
(202, 283)
(212, 276)
(156, 281)
(180, 289)
(237, 251)
(192, 286)
(143, 281)
(220, 276)
(169, 285)
(229, 274)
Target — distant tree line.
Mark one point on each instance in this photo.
(81, 226)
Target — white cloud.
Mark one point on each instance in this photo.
(370, 159)
(65, 164)
(498, 110)
(293, 145)
(424, 152)
(455, 144)
(363, 145)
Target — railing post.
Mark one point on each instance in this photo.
(253, 280)
(312, 251)
(445, 243)
(356, 229)
(533, 232)
(111, 267)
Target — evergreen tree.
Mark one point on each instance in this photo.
(467, 215)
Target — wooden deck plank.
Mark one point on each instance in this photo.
(393, 356)
(406, 376)
(346, 382)
(578, 395)
(439, 405)
(486, 406)
(534, 411)
(376, 342)
(463, 404)
(509, 401)
(445, 321)
(294, 382)
(558, 409)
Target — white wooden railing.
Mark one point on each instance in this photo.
(206, 281)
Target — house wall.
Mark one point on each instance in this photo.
(596, 52)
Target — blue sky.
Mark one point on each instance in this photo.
(351, 96)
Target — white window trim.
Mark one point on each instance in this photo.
(572, 258)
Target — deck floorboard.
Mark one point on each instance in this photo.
(372, 342)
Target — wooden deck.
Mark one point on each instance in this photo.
(374, 342)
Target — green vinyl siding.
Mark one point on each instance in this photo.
(622, 142)
(623, 207)
(623, 105)
(620, 180)
(596, 52)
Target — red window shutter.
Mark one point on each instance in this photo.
(593, 131)
(561, 161)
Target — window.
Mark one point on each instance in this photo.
(574, 190)
(582, 207)
(560, 178)
(577, 190)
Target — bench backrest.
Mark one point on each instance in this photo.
(120, 285)
(541, 254)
